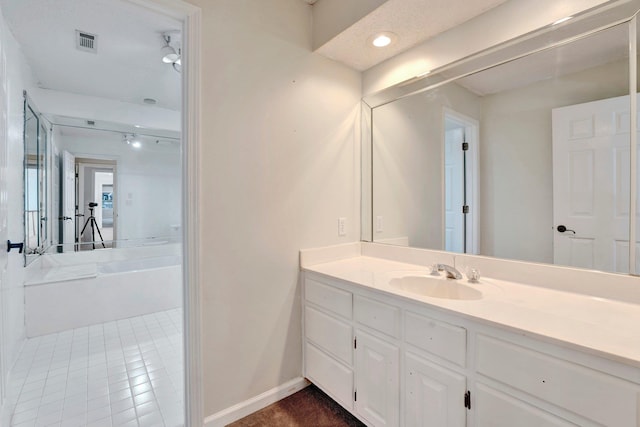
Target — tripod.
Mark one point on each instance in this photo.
(94, 226)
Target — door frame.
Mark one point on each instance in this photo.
(191, 17)
(472, 184)
(81, 164)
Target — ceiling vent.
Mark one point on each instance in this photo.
(86, 41)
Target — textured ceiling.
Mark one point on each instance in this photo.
(413, 21)
(127, 65)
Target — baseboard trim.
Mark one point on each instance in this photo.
(242, 409)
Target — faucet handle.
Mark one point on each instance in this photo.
(473, 274)
(435, 269)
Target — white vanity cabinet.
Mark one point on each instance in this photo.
(394, 362)
(328, 344)
(375, 367)
(377, 393)
(541, 389)
(434, 394)
(377, 362)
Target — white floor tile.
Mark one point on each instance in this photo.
(124, 417)
(153, 419)
(104, 422)
(122, 373)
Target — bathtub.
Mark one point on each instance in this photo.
(101, 286)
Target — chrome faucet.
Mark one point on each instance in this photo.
(452, 272)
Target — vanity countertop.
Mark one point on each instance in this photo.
(604, 327)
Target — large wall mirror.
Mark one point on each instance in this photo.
(92, 184)
(523, 152)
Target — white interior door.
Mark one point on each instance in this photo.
(591, 185)
(4, 227)
(68, 200)
(454, 189)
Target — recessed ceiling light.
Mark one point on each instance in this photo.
(136, 144)
(560, 21)
(383, 39)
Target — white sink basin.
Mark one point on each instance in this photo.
(435, 287)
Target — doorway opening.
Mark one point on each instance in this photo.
(132, 342)
(461, 216)
(95, 206)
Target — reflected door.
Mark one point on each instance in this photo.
(591, 185)
(68, 200)
(454, 196)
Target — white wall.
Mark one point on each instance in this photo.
(148, 181)
(280, 160)
(18, 78)
(505, 22)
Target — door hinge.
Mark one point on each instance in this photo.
(465, 209)
(355, 395)
(355, 343)
(77, 175)
(465, 146)
(467, 400)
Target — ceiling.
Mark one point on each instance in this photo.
(112, 133)
(127, 66)
(413, 21)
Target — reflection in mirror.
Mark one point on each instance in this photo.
(526, 160)
(117, 185)
(35, 181)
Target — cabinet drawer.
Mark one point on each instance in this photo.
(592, 394)
(329, 334)
(331, 376)
(439, 338)
(335, 300)
(377, 315)
(497, 409)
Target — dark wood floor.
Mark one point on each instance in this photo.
(308, 407)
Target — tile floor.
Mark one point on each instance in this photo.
(123, 373)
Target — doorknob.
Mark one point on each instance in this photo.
(64, 218)
(18, 246)
(562, 229)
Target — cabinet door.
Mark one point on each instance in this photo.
(331, 376)
(377, 380)
(496, 409)
(434, 395)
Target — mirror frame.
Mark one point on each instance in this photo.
(43, 171)
(590, 22)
